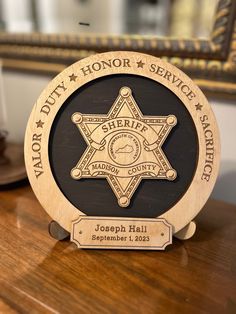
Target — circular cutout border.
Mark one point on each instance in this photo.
(110, 63)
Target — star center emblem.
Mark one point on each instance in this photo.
(124, 146)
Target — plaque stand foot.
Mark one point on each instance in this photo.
(187, 232)
(57, 232)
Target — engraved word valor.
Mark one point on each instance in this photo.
(124, 146)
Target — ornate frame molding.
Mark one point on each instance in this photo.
(211, 63)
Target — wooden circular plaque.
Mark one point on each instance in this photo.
(122, 134)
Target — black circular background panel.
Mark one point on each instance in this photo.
(95, 196)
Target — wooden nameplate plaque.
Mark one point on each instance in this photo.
(122, 151)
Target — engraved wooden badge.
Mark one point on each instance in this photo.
(124, 146)
(122, 151)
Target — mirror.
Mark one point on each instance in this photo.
(162, 18)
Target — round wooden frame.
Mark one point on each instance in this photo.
(67, 82)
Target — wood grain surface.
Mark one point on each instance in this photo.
(40, 275)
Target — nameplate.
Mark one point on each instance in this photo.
(121, 233)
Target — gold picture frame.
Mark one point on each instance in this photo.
(211, 63)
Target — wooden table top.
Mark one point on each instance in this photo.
(41, 275)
